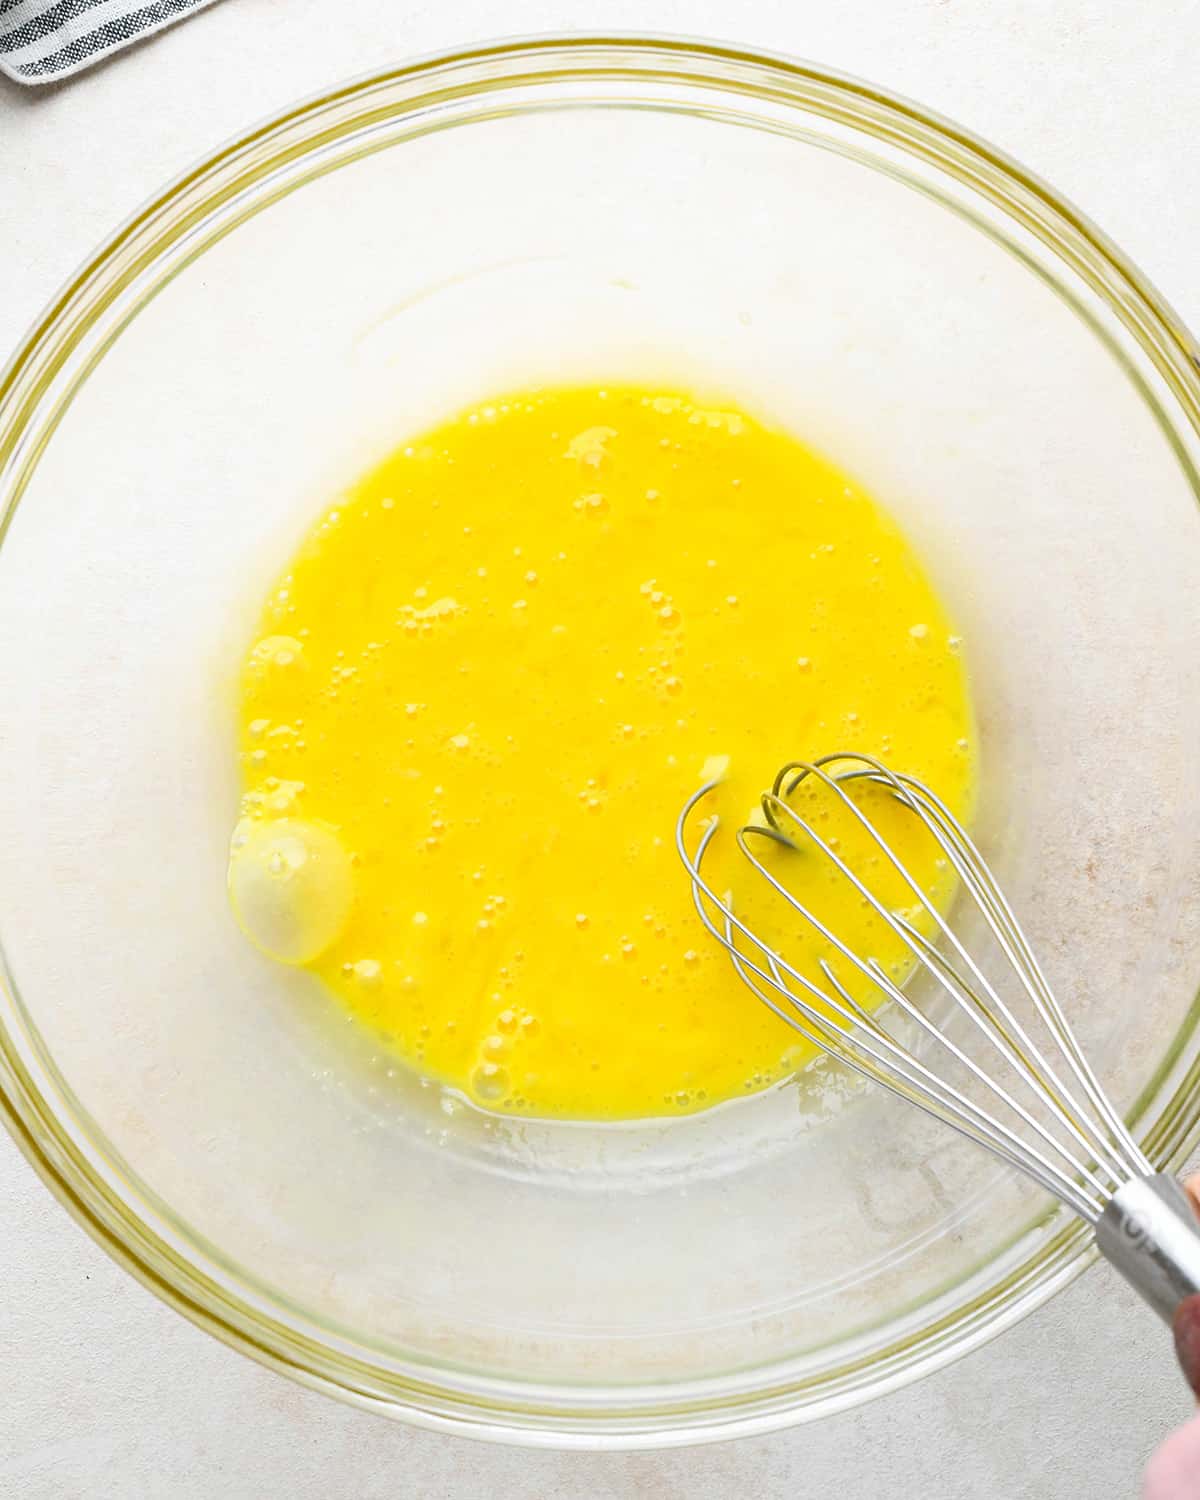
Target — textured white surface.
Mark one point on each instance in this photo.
(103, 1391)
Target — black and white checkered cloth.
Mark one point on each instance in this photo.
(41, 40)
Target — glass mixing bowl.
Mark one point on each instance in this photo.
(908, 301)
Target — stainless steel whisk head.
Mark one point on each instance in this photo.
(993, 1056)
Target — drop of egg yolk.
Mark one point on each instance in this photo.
(290, 885)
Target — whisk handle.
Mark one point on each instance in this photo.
(1150, 1233)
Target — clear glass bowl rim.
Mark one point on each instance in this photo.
(746, 1401)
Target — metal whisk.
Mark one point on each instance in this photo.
(1034, 1102)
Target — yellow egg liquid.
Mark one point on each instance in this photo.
(485, 686)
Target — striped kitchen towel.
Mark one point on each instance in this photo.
(41, 40)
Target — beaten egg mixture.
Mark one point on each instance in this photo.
(485, 685)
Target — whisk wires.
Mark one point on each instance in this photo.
(1037, 1107)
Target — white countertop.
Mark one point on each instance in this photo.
(103, 1391)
